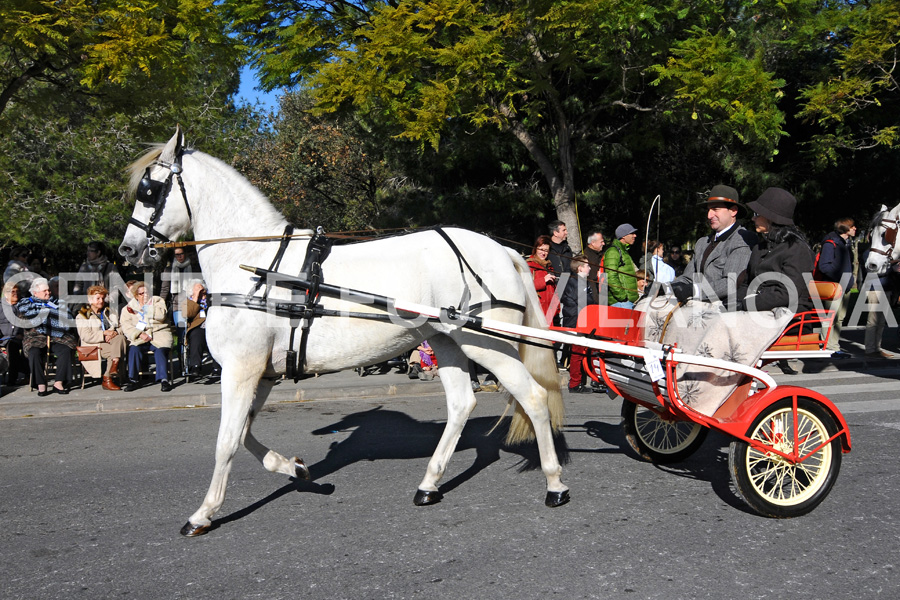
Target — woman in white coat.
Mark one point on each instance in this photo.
(145, 320)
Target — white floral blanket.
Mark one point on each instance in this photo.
(706, 329)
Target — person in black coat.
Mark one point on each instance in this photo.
(781, 257)
(835, 263)
(577, 294)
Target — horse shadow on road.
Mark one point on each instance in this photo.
(380, 434)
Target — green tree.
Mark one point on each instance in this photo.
(551, 74)
(856, 101)
(63, 177)
(107, 49)
(317, 170)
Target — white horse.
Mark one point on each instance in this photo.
(217, 202)
(885, 249)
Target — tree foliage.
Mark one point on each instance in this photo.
(112, 48)
(551, 74)
(317, 171)
(857, 103)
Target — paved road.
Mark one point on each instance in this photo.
(91, 507)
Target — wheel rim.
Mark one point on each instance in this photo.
(664, 436)
(776, 478)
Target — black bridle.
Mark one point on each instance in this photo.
(153, 193)
(890, 234)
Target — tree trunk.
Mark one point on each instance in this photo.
(562, 188)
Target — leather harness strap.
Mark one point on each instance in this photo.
(464, 301)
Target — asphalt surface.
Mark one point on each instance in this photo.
(21, 402)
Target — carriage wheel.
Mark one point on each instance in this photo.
(657, 439)
(772, 485)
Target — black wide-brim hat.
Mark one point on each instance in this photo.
(775, 204)
(724, 194)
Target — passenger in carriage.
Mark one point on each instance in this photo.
(726, 251)
(577, 294)
(778, 262)
(780, 259)
(144, 321)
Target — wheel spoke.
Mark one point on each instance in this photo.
(773, 476)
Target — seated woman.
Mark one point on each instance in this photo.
(780, 259)
(144, 321)
(11, 334)
(195, 313)
(97, 326)
(48, 326)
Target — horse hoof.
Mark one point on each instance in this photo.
(301, 470)
(191, 530)
(555, 499)
(424, 498)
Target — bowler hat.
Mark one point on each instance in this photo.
(723, 194)
(624, 229)
(775, 204)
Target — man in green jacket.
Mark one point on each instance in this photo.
(619, 268)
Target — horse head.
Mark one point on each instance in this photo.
(154, 218)
(884, 240)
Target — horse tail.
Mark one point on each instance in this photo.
(540, 361)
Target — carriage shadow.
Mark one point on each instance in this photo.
(380, 434)
(709, 463)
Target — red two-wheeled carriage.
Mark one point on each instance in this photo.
(788, 440)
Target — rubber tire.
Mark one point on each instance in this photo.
(815, 420)
(689, 436)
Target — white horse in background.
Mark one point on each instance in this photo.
(216, 202)
(884, 251)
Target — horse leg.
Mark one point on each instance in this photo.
(460, 403)
(503, 361)
(239, 384)
(271, 460)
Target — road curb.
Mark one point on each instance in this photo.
(94, 400)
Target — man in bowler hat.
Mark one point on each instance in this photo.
(724, 252)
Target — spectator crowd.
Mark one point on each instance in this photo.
(763, 267)
(94, 316)
(98, 316)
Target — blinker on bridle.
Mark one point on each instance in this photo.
(890, 236)
(153, 194)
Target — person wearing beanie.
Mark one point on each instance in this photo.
(721, 256)
(620, 272)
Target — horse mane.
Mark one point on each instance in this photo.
(136, 169)
(876, 220)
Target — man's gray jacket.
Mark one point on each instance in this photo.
(728, 257)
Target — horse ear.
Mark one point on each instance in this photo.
(173, 147)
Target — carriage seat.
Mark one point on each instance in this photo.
(609, 323)
(797, 335)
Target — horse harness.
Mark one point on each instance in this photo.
(154, 193)
(304, 305)
(890, 235)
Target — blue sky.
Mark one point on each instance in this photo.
(248, 92)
